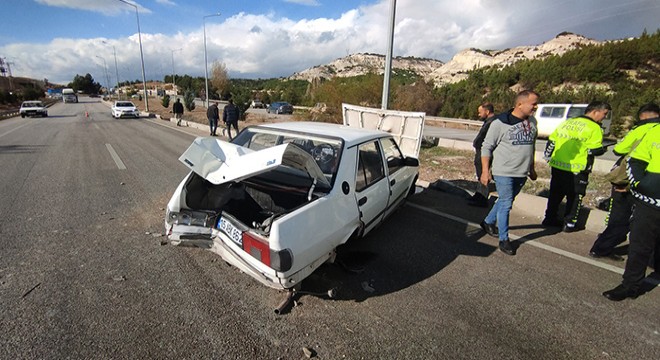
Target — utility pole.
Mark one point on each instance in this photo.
(388, 59)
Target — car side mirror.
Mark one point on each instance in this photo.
(411, 161)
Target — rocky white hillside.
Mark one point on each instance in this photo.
(456, 69)
(360, 64)
(439, 73)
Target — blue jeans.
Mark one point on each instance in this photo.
(213, 124)
(507, 190)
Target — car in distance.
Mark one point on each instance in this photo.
(123, 109)
(549, 116)
(33, 108)
(69, 96)
(280, 107)
(257, 104)
(278, 200)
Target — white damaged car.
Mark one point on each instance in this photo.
(278, 200)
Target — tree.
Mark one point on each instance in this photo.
(189, 100)
(85, 84)
(165, 101)
(219, 78)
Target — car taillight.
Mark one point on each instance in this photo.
(257, 247)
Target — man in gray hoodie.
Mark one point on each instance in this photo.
(510, 142)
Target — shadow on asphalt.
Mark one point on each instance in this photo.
(391, 258)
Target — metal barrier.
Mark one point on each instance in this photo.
(454, 123)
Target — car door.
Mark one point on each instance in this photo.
(399, 177)
(372, 189)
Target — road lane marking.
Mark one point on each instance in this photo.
(97, 126)
(115, 157)
(539, 245)
(14, 129)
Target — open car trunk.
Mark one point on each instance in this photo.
(252, 187)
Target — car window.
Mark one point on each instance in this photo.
(326, 152)
(575, 111)
(370, 166)
(553, 111)
(393, 155)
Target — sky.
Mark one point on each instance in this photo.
(57, 39)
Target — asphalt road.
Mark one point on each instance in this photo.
(83, 273)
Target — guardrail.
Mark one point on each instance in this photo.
(9, 113)
(454, 123)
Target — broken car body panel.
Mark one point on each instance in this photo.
(279, 199)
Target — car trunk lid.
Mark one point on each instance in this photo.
(220, 162)
(406, 127)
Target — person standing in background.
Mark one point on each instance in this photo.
(230, 115)
(486, 113)
(213, 116)
(177, 109)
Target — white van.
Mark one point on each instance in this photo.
(69, 96)
(549, 116)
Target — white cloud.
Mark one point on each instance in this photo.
(304, 2)
(261, 45)
(101, 6)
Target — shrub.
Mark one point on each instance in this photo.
(165, 101)
(189, 100)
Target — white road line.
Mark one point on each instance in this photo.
(534, 243)
(115, 157)
(14, 129)
(97, 126)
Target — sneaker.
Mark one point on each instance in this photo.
(490, 229)
(569, 228)
(507, 248)
(552, 222)
(612, 256)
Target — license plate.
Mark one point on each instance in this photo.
(230, 230)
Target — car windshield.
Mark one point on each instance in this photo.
(32, 104)
(125, 104)
(325, 151)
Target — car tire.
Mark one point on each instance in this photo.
(23, 115)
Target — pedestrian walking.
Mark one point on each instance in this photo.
(230, 115)
(486, 113)
(177, 109)
(510, 143)
(644, 173)
(213, 115)
(571, 149)
(621, 202)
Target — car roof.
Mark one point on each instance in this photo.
(350, 135)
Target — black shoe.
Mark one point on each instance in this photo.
(621, 293)
(551, 222)
(609, 256)
(569, 228)
(490, 229)
(505, 247)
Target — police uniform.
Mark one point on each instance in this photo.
(644, 174)
(571, 149)
(621, 202)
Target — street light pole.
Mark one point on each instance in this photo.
(144, 79)
(388, 59)
(114, 53)
(206, 67)
(174, 75)
(105, 70)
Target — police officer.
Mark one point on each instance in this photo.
(644, 175)
(571, 149)
(621, 202)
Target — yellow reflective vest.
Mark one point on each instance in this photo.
(573, 140)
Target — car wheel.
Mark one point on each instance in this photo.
(22, 115)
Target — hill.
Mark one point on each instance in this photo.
(444, 73)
